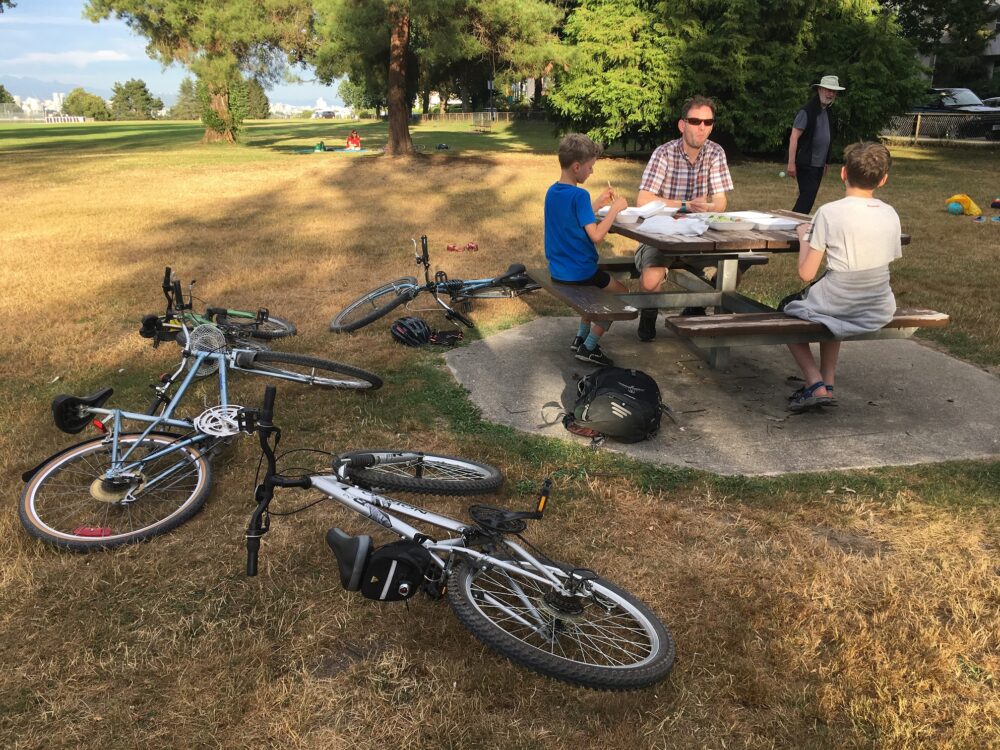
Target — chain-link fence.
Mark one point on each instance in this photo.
(923, 126)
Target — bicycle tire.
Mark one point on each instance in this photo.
(434, 474)
(373, 305)
(272, 328)
(339, 375)
(618, 644)
(60, 503)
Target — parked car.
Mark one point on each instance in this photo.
(964, 115)
(993, 101)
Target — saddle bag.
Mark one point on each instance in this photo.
(618, 403)
(395, 571)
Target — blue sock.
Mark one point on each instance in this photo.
(591, 343)
(583, 330)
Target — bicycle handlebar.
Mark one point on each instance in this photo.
(267, 412)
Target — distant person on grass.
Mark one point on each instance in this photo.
(353, 141)
(572, 233)
(860, 236)
(691, 173)
(810, 143)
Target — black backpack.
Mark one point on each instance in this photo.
(620, 404)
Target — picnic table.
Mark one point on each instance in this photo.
(739, 320)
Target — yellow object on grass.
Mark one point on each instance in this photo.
(969, 207)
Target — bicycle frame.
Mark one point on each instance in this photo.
(460, 290)
(120, 462)
(379, 508)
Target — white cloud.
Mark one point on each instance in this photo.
(77, 58)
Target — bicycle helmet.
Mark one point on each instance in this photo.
(411, 330)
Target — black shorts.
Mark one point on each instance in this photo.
(600, 279)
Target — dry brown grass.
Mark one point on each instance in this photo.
(854, 610)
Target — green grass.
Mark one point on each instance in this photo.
(832, 610)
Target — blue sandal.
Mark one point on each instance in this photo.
(805, 399)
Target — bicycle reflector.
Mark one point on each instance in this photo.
(411, 330)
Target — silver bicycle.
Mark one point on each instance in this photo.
(560, 620)
(149, 473)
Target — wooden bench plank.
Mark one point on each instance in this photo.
(775, 323)
(592, 303)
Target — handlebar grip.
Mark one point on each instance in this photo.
(167, 273)
(253, 545)
(267, 413)
(423, 247)
(178, 295)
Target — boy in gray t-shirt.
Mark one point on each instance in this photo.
(860, 236)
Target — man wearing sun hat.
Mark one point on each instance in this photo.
(809, 146)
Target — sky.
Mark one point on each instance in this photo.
(51, 41)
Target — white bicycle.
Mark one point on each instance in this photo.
(559, 620)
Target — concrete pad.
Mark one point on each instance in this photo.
(899, 402)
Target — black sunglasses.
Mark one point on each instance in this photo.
(698, 121)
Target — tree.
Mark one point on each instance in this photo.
(757, 58)
(187, 106)
(7, 3)
(620, 73)
(220, 41)
(358, 98)
(382, 45)
(80, 103)
(258, 107)
(954, 33)
(5, 96)
(133, 101)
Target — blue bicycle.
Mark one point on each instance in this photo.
(377, 303)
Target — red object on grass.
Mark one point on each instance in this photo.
(92, 531)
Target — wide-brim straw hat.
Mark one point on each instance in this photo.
(829, 82)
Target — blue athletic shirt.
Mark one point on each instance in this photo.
(570, 253)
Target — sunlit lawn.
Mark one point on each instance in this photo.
(854, 609)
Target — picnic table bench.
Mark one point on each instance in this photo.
(592, 303)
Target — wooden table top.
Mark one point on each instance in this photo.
(725, 241)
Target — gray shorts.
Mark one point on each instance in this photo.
(649, 257)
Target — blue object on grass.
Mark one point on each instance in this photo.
(955, 208)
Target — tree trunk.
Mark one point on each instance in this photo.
(399, 108)
(537, 98)
(425, 101)
(220, 106)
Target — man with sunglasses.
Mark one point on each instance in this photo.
(690, 173)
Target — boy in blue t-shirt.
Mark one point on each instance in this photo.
(571, 234)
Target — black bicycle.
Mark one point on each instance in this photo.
(375, 304)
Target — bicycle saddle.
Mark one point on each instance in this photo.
(514, 270)
(67, 413)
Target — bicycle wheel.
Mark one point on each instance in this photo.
(67, 504)
(426, 473)
(322, 373)
(604, 640)
(373, 305)
(246, 324)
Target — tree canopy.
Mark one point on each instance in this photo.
(258, 107)
(5, 96)
(81, 103)
(757, 58)
(132, 100)
(954, 33)
(393, 45)
(220, 41)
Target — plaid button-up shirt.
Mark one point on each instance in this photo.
(670, 175)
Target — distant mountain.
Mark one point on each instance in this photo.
(39, 89)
